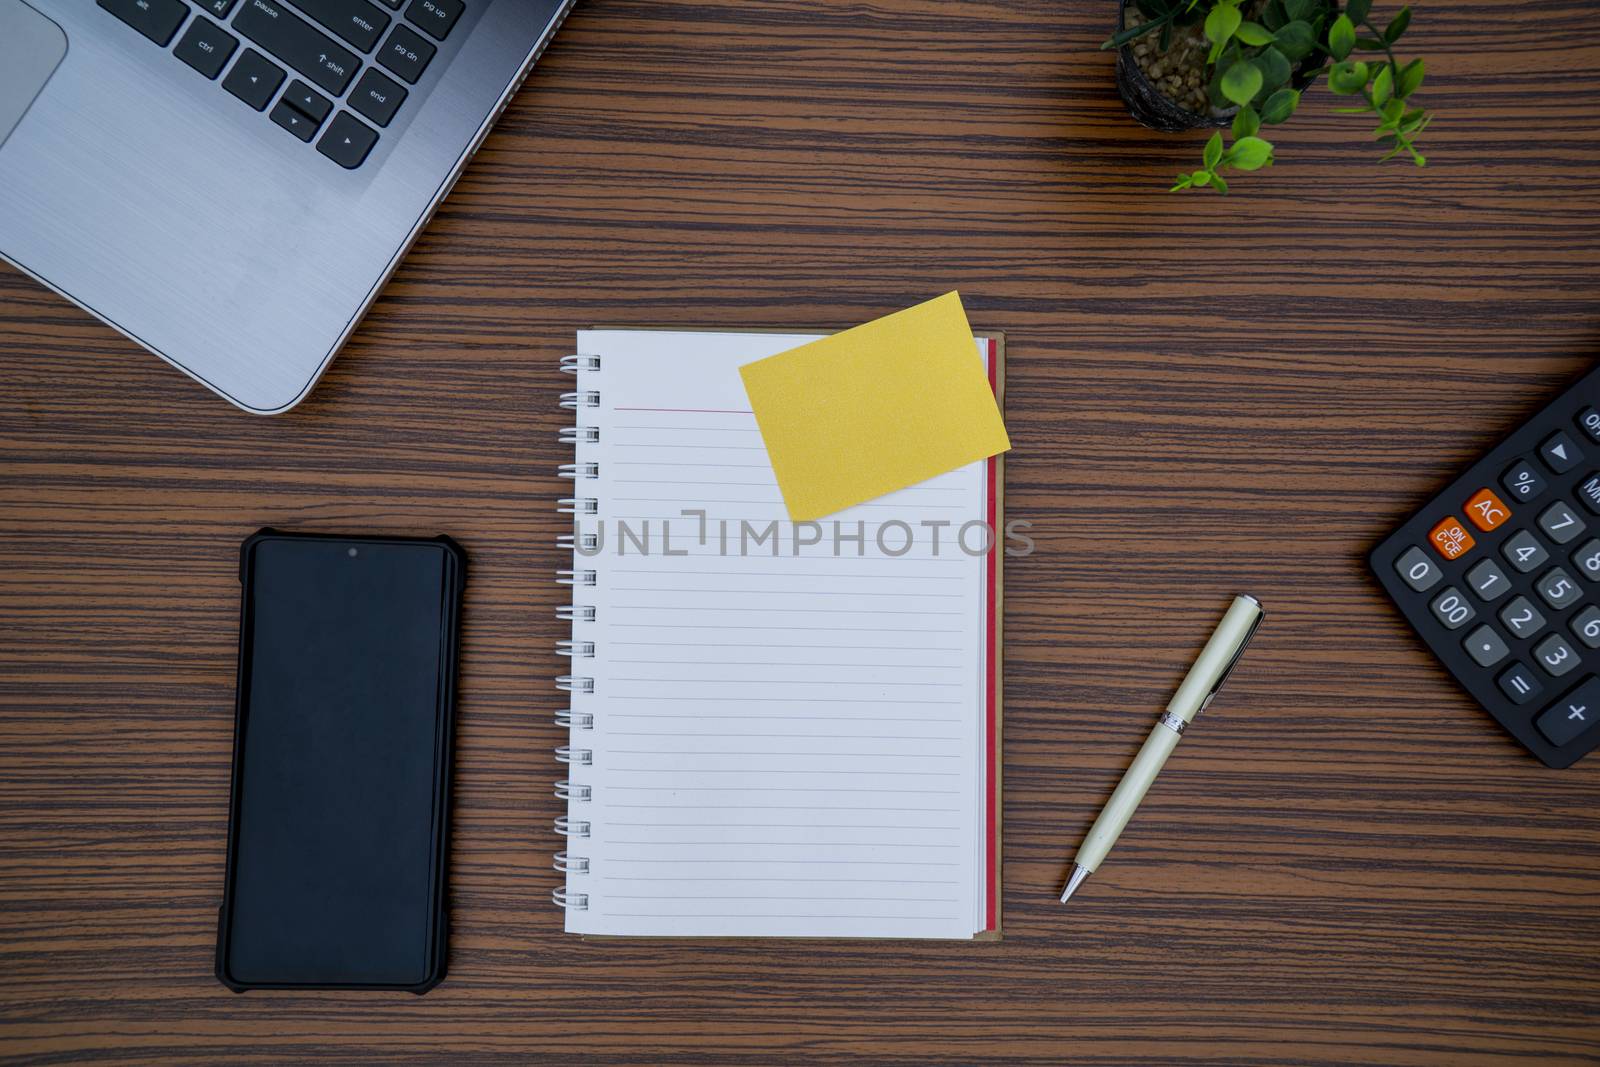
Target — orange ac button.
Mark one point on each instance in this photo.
(1487, 510)
(1451, 539)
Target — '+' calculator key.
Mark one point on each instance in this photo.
(1500, 574)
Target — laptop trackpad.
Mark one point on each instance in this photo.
(30, 48)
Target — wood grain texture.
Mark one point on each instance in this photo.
(1348, 863)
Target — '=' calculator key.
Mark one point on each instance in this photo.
(1499, 574)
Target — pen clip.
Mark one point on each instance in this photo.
(1216, 687)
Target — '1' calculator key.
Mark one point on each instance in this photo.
(1488, 581)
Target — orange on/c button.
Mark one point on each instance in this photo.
(1450, 539)
(1487, 510)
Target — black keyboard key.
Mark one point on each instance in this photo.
(219, 8)
(405, 53)
(306, 100)
(435, 17)
(253, 79)
(289, 117)
(392, 5)
(298, 43)
(347, 141)
(1572, 714)
(206, 47)
(355, 20)
(377, 96)
(156, 19)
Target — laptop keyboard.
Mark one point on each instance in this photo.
(348, 64)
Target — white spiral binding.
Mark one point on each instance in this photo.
(589, 542)
(576, 435)
(575, 647)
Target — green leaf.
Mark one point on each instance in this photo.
(1213, 152)
(1397, 25)
(1341, 37)
(1201, 177)
(1242, 81)
(1299, 9)
(1392, 111)
(1246, 122)
(1254, 34)
(1356, 10)
(1369, 44)
(1220, 24)
(1297, 39)
(1274, 67)
(1274, 17)
(1383, 85)
(1347, 78)
(1410, 78)
(1219, 185)
(1249, 153)
(1279, 106)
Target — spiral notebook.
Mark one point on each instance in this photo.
(776, 729)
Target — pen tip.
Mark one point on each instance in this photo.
(1079, 876)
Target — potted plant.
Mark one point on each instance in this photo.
(1243, 64)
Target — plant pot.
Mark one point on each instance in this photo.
(1153, 108)
(1148, 104)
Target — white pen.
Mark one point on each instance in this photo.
(1194, 695)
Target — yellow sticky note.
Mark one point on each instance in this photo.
(875, 409)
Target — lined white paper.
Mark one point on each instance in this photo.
(788, 739)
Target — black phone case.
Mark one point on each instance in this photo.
(444, 760)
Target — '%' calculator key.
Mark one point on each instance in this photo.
(1523, 482)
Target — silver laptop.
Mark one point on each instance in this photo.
(230, 182)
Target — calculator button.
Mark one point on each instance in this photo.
(1555, 655)
(1487, 580)
(1486, 510)
(1522, 481)
(1585, 626)
(1452, 609)
(1589, 493)
(1587, 559)
(1450, 539)
(1561, 523)
(1523, 551)
(1560, 452)
(1588, 421)
(1420, 572)
(1558, 588)
(1519, 683)
(1572, 714)
(1522, 618)
(1485, 646)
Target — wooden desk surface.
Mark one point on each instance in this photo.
(1349, 863)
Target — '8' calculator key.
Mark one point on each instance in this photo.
(1500, 576)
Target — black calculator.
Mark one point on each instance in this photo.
(1500, 574)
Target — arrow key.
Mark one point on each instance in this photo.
(1560, 452)
(347, 141)
(296, 122)
(253, 79)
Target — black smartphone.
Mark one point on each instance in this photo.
(338, 827)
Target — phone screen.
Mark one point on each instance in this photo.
(343, 742)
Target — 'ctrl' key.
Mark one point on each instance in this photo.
(1572, 714)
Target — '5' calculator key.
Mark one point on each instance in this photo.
(1558, 588)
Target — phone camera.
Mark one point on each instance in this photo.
(352, 553)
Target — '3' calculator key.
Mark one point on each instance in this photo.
(1556, 656)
